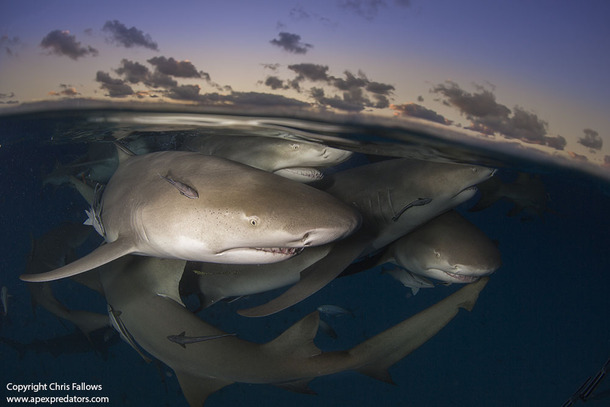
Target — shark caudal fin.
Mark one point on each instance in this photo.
(377, 354)
(196, 390)
(100, 256)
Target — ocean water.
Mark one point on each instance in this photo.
(538, 331)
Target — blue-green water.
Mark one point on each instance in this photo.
(539, 329)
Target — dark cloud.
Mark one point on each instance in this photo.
(275, 83)
(336, 102)
(128, 37)
(313, 72)
(272, 67)
(557, 142)
(179, 69)
(291, 43)
(490, 117)
(419, 111)
(62, 43)
(591, 140)
(7, 95)
(117, 88)
(262, 99)
(185, 92)
(350, 81)
(379, 88)
(66, 90)
(369, 9)
(9, 45)
(482, 104)
(134, 72)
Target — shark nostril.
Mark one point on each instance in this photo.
(305, 239)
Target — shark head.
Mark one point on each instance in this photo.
(450, 249)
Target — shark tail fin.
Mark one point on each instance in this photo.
(298, 339)
(197, 389)
(375, 355)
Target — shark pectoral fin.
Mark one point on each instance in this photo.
(299, 386)
(197, 389)
(313, 278)
(100, 256)
(298, 339)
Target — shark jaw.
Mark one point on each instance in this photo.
(252, 255)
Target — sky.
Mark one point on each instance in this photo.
(528, 71)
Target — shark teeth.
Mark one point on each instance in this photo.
(282, 250)
(462, 277)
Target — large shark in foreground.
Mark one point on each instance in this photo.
(189, 206)
(145, 291)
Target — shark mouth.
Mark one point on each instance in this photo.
(461, 277)
(289, 251)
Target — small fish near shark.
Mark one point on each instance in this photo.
(241, 214)
(145, 290)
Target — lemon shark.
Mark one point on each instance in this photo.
(448, 248)
(298, 160)
(394, 197)
(190, 206)
(145, 291)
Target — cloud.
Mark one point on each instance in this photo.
(275, 83)
(490, 117)
(591, 140)
(368, 9)
(134, 72)
(291, 43)
(272, 67)
(66, 90)
(7, 95)
(117, 88)
(179, 69)
(62, 43)
(557, 142)
(419, 111)
(129, 37)
(9, 44)
(313, 72)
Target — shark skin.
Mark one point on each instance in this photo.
(242, 215)
(380, 192)
(142, 288)
(449, 248)
(294, 159)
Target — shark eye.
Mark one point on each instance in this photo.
(294, 146)
(253, 220)
(437, 254)
(474, 170)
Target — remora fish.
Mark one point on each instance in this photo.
(184, 340)
(146, 290)
(243, 215)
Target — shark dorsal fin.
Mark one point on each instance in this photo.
(298, 339)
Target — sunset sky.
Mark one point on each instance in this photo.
(530, 70)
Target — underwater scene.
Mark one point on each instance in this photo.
(175, 257)
(305, 203)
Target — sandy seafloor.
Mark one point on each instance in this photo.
(539, 329)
